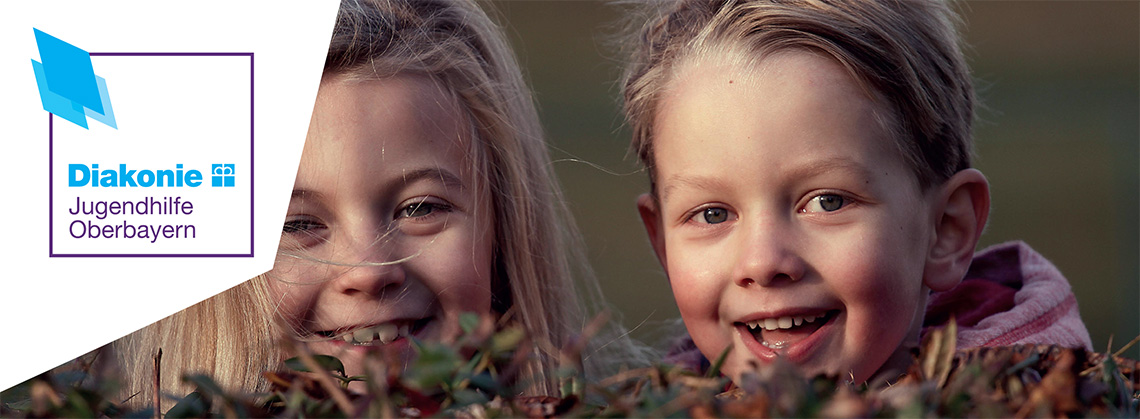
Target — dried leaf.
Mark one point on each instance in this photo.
(938, 350)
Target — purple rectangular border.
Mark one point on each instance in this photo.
(51, 192)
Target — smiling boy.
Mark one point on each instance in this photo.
(810, 176)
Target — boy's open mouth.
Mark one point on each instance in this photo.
(780, 332)
(380, 334)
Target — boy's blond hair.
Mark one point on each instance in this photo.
(905, 53)
(537, 250)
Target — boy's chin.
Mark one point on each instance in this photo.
(751, 369)
(895, 367)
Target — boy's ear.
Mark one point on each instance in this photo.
(651, 218)
(961, 208)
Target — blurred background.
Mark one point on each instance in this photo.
(1058, 139)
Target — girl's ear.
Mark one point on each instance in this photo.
(651, 218)
(961, 208)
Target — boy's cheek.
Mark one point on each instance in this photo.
(693, 286)
(697, 295)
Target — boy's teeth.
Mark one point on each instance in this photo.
(778, 345)
(778, 333)
(786, 322)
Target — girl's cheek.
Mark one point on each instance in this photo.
(456, 273)
(291, 303)
(294, 287)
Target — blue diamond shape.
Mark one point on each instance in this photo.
(56, 104)
(68, 71)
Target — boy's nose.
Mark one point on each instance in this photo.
(767, 257)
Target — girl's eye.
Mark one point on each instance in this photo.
(301, 225)
(824, 203)
(422, 209)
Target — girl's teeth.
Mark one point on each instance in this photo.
(798, 320)
(363, 335)
(387, 332)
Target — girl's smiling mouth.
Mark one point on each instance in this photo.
(376, 335)
(792, 336)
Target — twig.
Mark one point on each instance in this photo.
(157, 398)
(682, 402)
(379, 387)
(1126, 347)
(573, 353)
(624, 376)
(87, 363)
(323, 378)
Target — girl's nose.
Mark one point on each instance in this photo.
(767, 256)
(371, 267)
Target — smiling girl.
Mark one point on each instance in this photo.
(424, 191)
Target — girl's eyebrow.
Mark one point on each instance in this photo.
(443, 176)
(304, 193)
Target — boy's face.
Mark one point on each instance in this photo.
(786, 220)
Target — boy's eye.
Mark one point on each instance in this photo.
(715, 215)
(711, 215)
(824, 203)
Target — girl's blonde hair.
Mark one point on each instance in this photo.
(537, 250)
(904, 52)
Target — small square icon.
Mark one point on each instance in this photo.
(222, 175)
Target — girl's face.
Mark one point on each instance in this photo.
(387, 235)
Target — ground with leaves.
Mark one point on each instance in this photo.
(477, 377)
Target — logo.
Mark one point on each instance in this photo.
(68, 85)
(223, 175)
(165, 187)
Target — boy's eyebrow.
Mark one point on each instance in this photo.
(694, 182)
(804, 171)
(821, 166)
